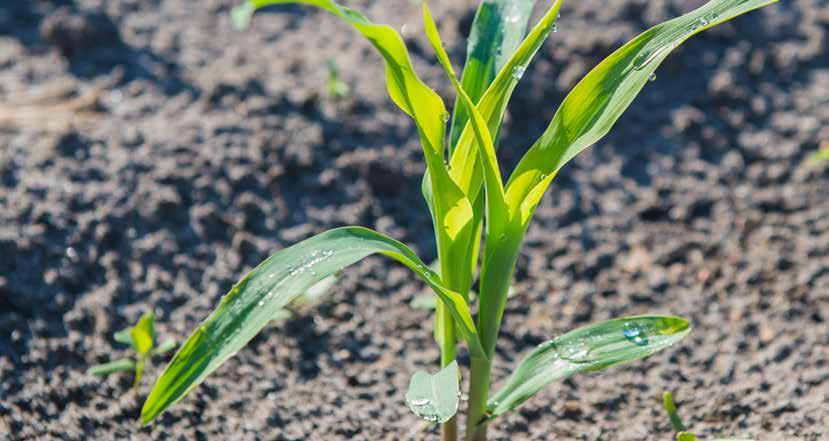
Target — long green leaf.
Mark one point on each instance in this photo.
(593, 106)
(498, 28)
(495, 206)
(254, 301)
(670, 408)
(435, 397)
(464, 167)
(123, 365)
(589, 348)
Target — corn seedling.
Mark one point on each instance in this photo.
(477, 217)
(676, 422)
(141, 338)
(821, 155)
(334, 86)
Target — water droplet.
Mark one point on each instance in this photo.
(404, 30)
(576, 353)
(71, 254)
(518, 72)
(635, 334)
(261, 303)
(420, 402)
(445, 117)
(652, 77)
(555, 27)
(464, 397)
(702, 22)
(543, 176)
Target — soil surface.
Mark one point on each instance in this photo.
(150, 155)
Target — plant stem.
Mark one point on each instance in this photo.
(478, 395)
(449, 429)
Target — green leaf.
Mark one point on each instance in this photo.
(165, 347)
(143, 334)
(495, 206)
(123, 365)
(497, 30)
(123, 336)
(589, 348)
(335, 87)
(593, 106)
(435, 397)
(820, 156)
(269, 287)
(465, 169)
(670, 407)
(316, 292)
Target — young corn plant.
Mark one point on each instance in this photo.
(476, 216)
(335, 87)
(141, 338)
(676, 422)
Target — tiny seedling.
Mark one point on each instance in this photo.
(676, 422)
(141, 338)
(336, 88)
(821, 155)
(479, 220)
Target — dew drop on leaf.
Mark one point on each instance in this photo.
(635, 334)
(518, 72)
(652, 77)
(420, 402)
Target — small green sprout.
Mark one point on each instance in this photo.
(479, 219)
(678, 426)
(821, 155)
(141, 338)
(337, 89)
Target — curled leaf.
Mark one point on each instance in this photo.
(435, 397)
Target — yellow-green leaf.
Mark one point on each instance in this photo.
(143, 334)
(593, 106)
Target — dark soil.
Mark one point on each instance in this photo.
(150, 155)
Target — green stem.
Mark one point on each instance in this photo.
(478, 395)
(449, 429)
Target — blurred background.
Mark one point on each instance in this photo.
(150, 155)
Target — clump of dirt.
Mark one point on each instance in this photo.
(205, 150)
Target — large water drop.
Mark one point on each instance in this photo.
(635, 334)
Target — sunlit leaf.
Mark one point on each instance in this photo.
(123, 336)
(435, 397)
(123, 365)
(464, 166)
(143, 334)
(670, 408)
(497, 30)
(254, 301)
(593, 106)
(496, 210)
(589, 348)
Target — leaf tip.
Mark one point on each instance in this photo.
(242, 14)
